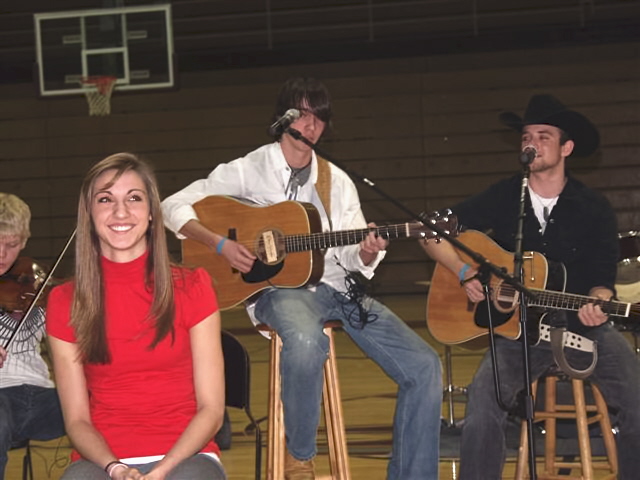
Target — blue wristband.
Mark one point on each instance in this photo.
(220, 244)
(462, 272)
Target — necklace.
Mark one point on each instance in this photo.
(543, 206)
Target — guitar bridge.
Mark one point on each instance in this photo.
(270, 246)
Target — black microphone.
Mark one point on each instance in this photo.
(284, 121)
(528, 154)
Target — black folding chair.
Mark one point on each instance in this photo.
(237, 376)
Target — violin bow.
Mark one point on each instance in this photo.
(38, 294)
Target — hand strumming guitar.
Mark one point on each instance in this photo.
(238, 256)
(472, 285)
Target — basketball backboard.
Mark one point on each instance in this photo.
(133, 44)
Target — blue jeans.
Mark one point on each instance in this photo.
(298, 316)
(28, 412)
(617, 374)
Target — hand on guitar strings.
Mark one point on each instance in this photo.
(238, 256)
(591, 314)
(371, 245)
(472, 286)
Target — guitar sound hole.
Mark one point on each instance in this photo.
(481, 317)
(504, 297)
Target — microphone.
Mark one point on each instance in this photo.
(284, 121)
(528, 154)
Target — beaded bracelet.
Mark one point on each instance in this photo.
(220, 244)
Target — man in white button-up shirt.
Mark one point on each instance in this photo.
(288, 169)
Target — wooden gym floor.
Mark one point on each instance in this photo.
(368, 402)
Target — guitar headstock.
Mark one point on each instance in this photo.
(444, 220)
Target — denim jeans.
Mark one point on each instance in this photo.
(198, 467)
(617, 374)
(28, 412)
(298, 316)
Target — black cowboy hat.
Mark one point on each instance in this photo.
(547, 110)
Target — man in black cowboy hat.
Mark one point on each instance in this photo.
(568, 223)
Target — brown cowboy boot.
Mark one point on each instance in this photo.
(298, 469)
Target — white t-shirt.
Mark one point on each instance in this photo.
(262, 177)
(24, 363)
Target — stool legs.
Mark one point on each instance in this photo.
(578, 411)
(333, 417)
(276, 444)
(583, 429)
(334, 420)
(607, 430)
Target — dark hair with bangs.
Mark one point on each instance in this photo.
(304, 93)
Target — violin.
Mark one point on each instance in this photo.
(39, 284)
(19, 285)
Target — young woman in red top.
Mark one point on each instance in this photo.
(135, 341)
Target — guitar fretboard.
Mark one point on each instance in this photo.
(324, 240)
(570, 301)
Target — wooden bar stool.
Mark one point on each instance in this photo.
(584, 414)
(333, 417)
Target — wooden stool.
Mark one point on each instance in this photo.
(579, 411)
(336, 437)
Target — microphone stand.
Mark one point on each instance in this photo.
(482, 262)
(518, 272)
(485, 269)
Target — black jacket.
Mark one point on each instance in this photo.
(581, 233)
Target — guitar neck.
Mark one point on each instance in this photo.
(324, 240)
(570, 301)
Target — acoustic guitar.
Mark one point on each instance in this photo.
(287, 240)
(453, 319)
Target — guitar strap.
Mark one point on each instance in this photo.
(323, 185)
(558, 342)
(556, 332)
(559, 338)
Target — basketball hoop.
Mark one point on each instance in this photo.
(98, 92)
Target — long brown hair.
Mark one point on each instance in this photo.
(88, 308)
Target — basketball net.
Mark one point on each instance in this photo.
(98, 92)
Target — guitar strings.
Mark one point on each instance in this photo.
(322, 240)
(568, 301)
(327, 239)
